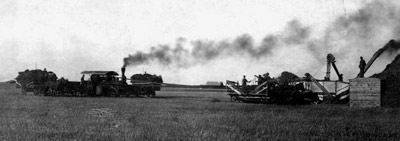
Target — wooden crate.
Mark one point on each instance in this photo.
(365, 92)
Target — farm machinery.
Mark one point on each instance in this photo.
(36, 81)
(236, 92)
(290, 89)
(99, 83)
(337, 91)
(287, 89)
(106, 83)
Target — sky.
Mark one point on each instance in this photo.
(193, 41)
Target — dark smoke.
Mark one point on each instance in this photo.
(366, 30)
(392, 47)
(297, 33)
(359, 34)
(162, 54)
(205, 51)
(349, 36)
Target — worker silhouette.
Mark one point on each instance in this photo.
(267, 77)
(244, 84)
(82, 80)
(362, 67)
(45, 75)
(260, 79)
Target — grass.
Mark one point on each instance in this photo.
(185, 116)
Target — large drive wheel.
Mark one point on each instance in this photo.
(99, 90)
(110, 91)
(121, 92)
(113, 91)
(48, 92)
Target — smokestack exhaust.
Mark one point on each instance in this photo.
(123, 77)
(123, 72)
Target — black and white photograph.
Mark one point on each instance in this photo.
(199, 70)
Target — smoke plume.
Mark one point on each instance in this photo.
(347, 37)
(366, 30)
(204, 51)
(361, 34)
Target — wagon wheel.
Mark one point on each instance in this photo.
(153, 93)
(121, 92)
(148, 93)
(53, 92)
(47, 93)
(23, 90)
(36, 91)
(42, 91)
(116, 93)
(138, 92)
(113, 91)
(89, 92)
(82, 91)
(79, 91)
(235, 98)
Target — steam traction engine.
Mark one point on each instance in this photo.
(102, 83)
(107, 83)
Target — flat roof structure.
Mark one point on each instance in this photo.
(113, 73)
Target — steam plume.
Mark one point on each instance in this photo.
(205, 51)
(366, 30)
(361, 34)
(347, 37)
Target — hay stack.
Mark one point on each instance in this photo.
(287, 77)
(390, 94)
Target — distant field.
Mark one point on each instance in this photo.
(185, 115)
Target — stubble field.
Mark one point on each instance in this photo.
(185, 115)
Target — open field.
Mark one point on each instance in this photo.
(185, 115)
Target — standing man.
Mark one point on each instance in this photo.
(267, 77)
(244, 84)
(362, 67)
(45, 75)
(260, 79)
(82, 80)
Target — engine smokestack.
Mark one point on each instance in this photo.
(123, 72)
(123, 78)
